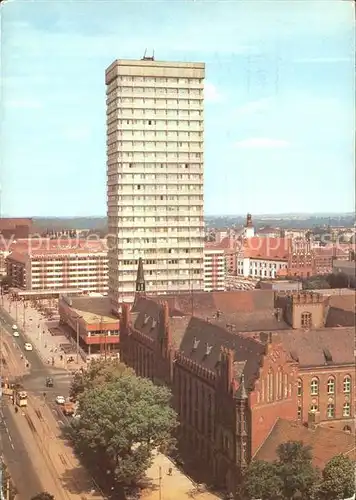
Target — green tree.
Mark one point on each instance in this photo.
(295, 469)
(98, 373)
(261, 481)
(121, 423)
(338, 479)
(44, 495)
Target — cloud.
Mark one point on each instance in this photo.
(211, 93)
(261, 143)
(22, 104)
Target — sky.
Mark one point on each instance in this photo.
(279, 99)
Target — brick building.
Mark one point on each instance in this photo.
(236, 362)
(15, 228)
(44, 264)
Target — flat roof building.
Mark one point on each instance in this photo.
(155, 158)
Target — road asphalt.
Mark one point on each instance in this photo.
(16, 456)
(11, 445)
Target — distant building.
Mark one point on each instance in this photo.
(249, 230)
(262, 257)
(90, 319)
(281, 285)
(345, 267)
(15, 228)
(41, 264)
(214, 269)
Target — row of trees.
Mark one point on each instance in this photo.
(292, 476)
(337, 280)
(123, 419)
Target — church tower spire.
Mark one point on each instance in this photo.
(140, 278)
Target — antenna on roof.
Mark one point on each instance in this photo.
(148, 58)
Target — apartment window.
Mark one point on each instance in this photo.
(313, 408)
(299, 387)
(314, 387)
(331, 410)
(331, 385)
(346, 410)
(347, 384)
(306, 320)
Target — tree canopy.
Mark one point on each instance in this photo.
(99, 372)
(121, 422)
(44, 495)
(291, 476)
(338, 479)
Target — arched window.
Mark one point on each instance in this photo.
(347, 384)
(331, 410)
(263, 382)
(279, 383)
(347, 428)
(270, 382)
(306, 320)
(314, 387)
(285, 385)
(331, 385)
(346, 410)
(313, 408)
(299, 387)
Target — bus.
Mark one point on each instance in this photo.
(20, 398)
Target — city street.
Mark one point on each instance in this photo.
(18, 460)
(38, 427)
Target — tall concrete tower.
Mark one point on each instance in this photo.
(155, 159)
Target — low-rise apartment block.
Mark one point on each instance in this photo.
(45, 264)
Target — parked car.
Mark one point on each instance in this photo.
(28, 346)
(14, 327)
(15, 333)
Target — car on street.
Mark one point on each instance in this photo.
(15, 333)
(49, 382)
(28, 346)
(14, 327)
(60, 400)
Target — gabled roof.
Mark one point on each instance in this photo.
(325, 442)
(200, 340)
(312, 347)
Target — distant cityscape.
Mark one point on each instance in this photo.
(231, 336)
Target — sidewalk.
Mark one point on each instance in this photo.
(36, 328)
(53, 459)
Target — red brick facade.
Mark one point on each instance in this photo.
(231, 388)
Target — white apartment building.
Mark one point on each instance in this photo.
(155, 144)
(214, 270)
(58, 268)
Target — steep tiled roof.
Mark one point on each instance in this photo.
(208, 338)
(342, 310)
(325, 442)
(208, 303)
(266, 248)
(310, 348)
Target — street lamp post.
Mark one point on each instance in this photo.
(77, 341)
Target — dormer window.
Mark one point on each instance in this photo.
(196, 343)
(208, 349)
